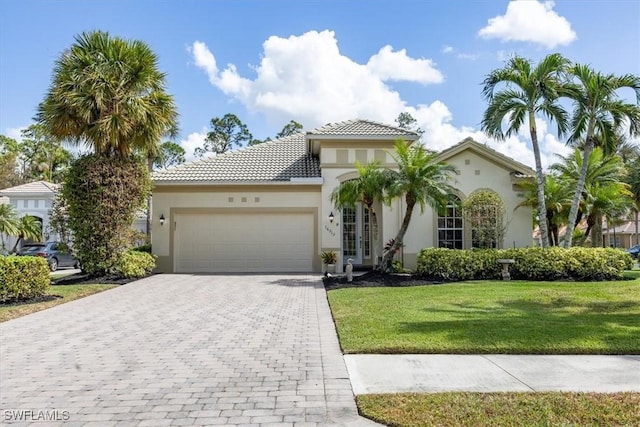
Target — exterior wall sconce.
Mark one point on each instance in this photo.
(331, 217)
(161, 219)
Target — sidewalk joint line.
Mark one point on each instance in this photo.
(508, 373)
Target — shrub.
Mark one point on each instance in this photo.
(102, 196)
(23, 277)
(530, 263)
(135, 264)
(143, 248)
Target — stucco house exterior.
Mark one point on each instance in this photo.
(34, 199)
(267, 208)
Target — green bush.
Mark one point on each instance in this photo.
(135, 264)
(23, 277)
(530, 263)
(143, 248)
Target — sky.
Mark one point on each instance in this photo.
(322, 61)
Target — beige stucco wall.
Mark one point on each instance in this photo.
(169, 201)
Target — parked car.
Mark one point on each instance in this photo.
(634, 251)
(56, 254)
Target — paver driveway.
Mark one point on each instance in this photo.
(181, 350)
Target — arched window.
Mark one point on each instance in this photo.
(451, 226)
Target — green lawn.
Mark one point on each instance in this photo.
(514, 317)
(502, 409)
(58, 295)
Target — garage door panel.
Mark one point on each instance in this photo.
(244, 242)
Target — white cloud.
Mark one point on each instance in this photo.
(307, 79)
(390, 65)
(447, 49)
(193, 141)
(468, 56)
(530, 21)
(15, 133)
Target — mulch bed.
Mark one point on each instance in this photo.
(377, 279)
(18, 301)
(86, 279)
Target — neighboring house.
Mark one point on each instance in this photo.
(35, 199)
(623, 235)
(266, 208)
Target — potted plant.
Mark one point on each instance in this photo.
(329, 259)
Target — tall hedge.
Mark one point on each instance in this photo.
(103, 195)
(530, 263)
(23, 277)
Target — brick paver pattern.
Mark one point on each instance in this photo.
(182, 350)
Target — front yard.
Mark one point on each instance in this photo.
(515, 317)
(56, 295)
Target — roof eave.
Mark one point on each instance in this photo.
(293, 182)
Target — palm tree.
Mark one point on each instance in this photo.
(603, 194)
(421, 179)
(528, 91)
(557, 198)
(107, 93)
(598, 117)
(28, 228)
(633, 180)
(368, 188)
(9, 223)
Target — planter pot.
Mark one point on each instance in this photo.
(328, 268)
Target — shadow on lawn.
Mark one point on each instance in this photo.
(558, 326)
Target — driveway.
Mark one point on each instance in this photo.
(181, 350)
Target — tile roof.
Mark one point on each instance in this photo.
(31, 187)
(278, 160)
(362, 128)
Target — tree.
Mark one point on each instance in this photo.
(604, 194)
(485, 211)
(9, 224)
(598, 116)
(42, 157)
(557, 196)
(289, 129)
(171, 154)
(29, 227)
(633, 180)
(368, 188)
(227, 132)
(407, 121)
(527, 91)
(9, 150)
(107, 93)
(421, 179)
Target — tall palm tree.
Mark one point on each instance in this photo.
(527, 91)
(28, 228)
(557, 194)
(598, 116)
(422, 180)
(9, 223)
(604, 194)
(368, 188)
(107, 93)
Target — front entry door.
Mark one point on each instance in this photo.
(356, 234)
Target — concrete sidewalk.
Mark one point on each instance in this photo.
(377, 373)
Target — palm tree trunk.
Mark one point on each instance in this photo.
(575, 203)
(542, 208)
(387, 261)
(637, 221)
(374, 226)
(596, 233)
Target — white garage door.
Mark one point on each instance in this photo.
(243, 242)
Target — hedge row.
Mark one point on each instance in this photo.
(23, 277)
(530, 263)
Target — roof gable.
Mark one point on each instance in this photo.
(489, 153)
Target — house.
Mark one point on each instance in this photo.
(266, 208)
(35, 199)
